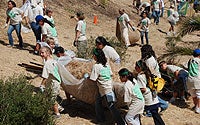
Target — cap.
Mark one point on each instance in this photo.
(38, 18)
(196, 52)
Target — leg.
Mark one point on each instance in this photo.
(147, 38)
(163, 104)
(125, 36)
(82, 47)
(9, 32)
(142, 37)
(133, 120)
(37, 31)
(99, 109)
(18, 32)
(156, 117)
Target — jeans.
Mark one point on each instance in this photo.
(156, 16)
(17, 28)
(163, 104)
(36, 30)
(154, 111)
(182, 77)
(142, 33)
(100, 109)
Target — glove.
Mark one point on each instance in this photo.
(75, 43)
(5, 25)
(42, 88)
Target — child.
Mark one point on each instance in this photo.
(48, 29)
(80, 40)
(151, 103)
(144, 25)
(49, 16)
(14, 15)
(101, 73)
(50, 76)
(193, 83)
(172, 18)
(133, 96)
(180, 75)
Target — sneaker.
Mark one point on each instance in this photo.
(172, 100)
(9, 46)
(197, 110)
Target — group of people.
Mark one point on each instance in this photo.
(137, 92)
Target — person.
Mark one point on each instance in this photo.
(136, 4)
(151, 102)
(80, 40)
(49, 43)
(149, 58)
(48, 29)
(180, 75)
(49, 16)
(102, 74)
(144, 26)
(172, 18)
(133, 96)
(156, 5)
(14, 15)
(193, 82)
(30, 14)
(108, 50)
(124, 22)
(162, 8)
(51, 77)
(146, 6)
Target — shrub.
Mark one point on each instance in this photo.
(20, 105)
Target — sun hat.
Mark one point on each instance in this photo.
(38, 18)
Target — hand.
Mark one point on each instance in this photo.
(75, 43)
(5, 25)
(42, 88)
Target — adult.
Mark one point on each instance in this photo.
(124, 22)
(80, 40)
(108, 50)
(146, 6)
(14, 15)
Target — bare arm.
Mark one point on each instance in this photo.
(143, 90)
(77, 35)
(7, 19)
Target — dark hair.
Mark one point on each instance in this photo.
(141, 64)
(50, 23)
(13, 3)
(161, 63)
(101, 58)
(80, 15)
(59, 50)
(102, 40)
(125, 72)
(147, 52)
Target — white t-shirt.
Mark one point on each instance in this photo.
(50, 67)
(29, 13)
(50, 19)
(145, 24)
(142, 82)
(111, 53)
(48, 30)
(102, 75)
(81, 26)
(15, 15)
(156, 5)
(37, 11)
(152, 64)
(123, 19)
(171, 69)
(144, 4)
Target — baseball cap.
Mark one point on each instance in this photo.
(38, 18)
(196, 52)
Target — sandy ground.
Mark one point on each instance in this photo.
(78, 112)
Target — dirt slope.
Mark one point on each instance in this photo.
(77, 112)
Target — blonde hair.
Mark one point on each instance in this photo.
(50, 40)
(47, 50)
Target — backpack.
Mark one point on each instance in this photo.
(155, 83)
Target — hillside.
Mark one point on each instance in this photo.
(77, 112)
